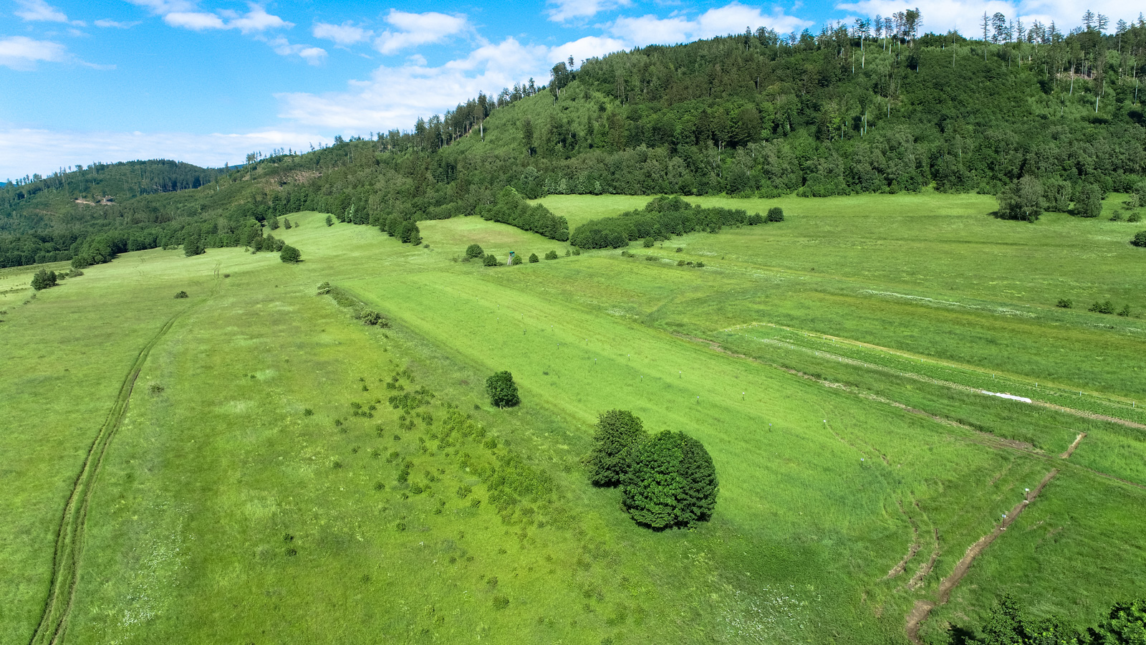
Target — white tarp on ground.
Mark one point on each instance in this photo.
(1007, 396)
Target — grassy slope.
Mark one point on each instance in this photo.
(186, 535)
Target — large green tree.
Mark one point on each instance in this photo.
(1022, 200)
(618, 433)
(671, 481)
(502, 390)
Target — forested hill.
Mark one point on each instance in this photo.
(866, 108)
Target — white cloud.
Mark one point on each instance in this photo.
(417, 29)
(732, 18)
(194, 20)
(22, 53)
(41, 11)
(43, 151)
(162, 7)
(587, 47)
(940, 16)
(562, 10)
(255, 20)
(394, 97)
(312, 55)
(118, 25)
(344, 34)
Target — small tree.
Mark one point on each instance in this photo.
(533, 258)
(755, 218)
(517, 259)
(552, 255)
(619, 432)
(775, 214)
(194, 246)
(1022, 200)
(44, 279)
(329, 220)
(290, 255)
(502, 390)
(1139, 239)
(181, 295)
(1064, 303)
(1088, 201)
(649, 242)
(273, 223)
(490, 260)
(287, 224)
(474, 251)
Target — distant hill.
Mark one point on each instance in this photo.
(845, 111)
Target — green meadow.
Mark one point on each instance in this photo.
(254, 483)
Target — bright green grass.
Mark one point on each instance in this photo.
(218, 463)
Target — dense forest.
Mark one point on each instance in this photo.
(863, 108)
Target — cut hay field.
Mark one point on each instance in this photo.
(259, 487)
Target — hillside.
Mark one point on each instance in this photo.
(751, 115)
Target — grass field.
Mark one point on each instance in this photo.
(253, 489)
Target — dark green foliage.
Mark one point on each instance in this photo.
(576, 251)
(44, 279)
(1009, 624)
(552, 255)
(755, 218)
(287, 224)
(533, 258)
(194, 246)
(649, 242)
(290, 255)
(1125, 311)
(671, 481)
(1125, 625)
(661, 218)
(374, 318)
(1139, 239)
(329, 220)
(1064, 303)
(516, 259)
(1102, 307)
(1088, 201)
(500, 602)
(1134, 218)
(1021, 200)
(474, 251)
(619, 432)
(502, 390)
(510, 208)
(181, 294)
(273, 223)
(775, 214)
(490, 260)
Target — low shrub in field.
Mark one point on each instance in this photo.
(651, 258)
(1063, 303)
(44, 279)
(1102, 307)
(290, 255)
(1139, 238)
(182, 294)
(775, 214)
(516, 260)
(324, 288)
(1134, 218)
(699, 265)
(502, 390)
(474, 251)
(649, 242)
(329, 220)
(490, 260)
(533, 258)
(1125, 312)
(500, 602)
(576, 251)
(552, 255)
(755, 218)
(374, 318)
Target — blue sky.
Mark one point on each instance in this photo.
(207, 81)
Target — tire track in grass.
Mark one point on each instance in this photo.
(70, 535)
(922, 608)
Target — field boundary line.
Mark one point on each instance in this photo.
(70, 534)
(922, 608)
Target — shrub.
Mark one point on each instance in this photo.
(307, 412)
(500, 602)
(181, 294)
(671, 481)
(329, 220)
(1134, 218)
(324, 288)
(286, 224)
(194, 246)
(474, 251)
(1139, 239)
(755, 218)
(680, 263)
(1063, 303)
(1116, 217)
(651, 258)
(775, 214)
(1125, 312)
(533, 258)
(679, 249)
(44, 279)
(619, 432)
(576, 251)
(372, 318)
(517, 259)
(502, 390)
(552, 255)
(290, 255)
(1103, 307)
(649, 242)
(490, 260)
(699, 265)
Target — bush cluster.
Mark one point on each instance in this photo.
(661, 218)
(667, 480)
(44, 279)
(510, 208)
(290, 254)
(502, 390)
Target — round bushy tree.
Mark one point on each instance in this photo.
(618, 433)
(490, 260)
(1022, 200)
(671, 481)
(44, 279)
(533, 257)
(552, 255)
(290, 255)
(1088, 201)
(502, 390)
(474, 251)
(775, 214)
(517, 259)
(1139, 239)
